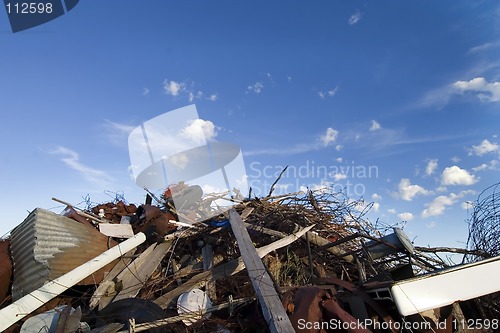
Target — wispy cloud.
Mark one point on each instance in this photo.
(484, 47)
(485, 147)
(484, 90)
(325, 140)
(255, 88)
(72, 159)
(328, 93)
(145, 92)
(292, 150)
(354, 18)
(117, 133)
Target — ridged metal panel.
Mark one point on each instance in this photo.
(47, 245)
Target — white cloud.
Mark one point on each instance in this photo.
(484, 147)
(391, 211)
(407, 191)
(485, 91)
(431, 167)
(454, 175)
(338, 147)
(481, 167)
(438, 205)
(185, 89)
(72, 159)
(145, 92)
(406, 216)
(289, 78)
(339, 176)
(173, 87)
(492, 165)
(376, 197)
(329, 93)
(339, 159)
(354, 18)
(375, 126)
(199, 131)
(455, 159)
(329, 137)
(376, 206)
(194, 95)
(255, 88)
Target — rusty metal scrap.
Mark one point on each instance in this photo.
(312, 247)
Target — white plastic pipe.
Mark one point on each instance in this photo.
(29, 303)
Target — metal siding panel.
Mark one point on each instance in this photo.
(46, 245)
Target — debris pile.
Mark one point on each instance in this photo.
(297, 262)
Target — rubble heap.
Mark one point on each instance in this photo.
(321, 260)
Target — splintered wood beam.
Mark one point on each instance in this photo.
(230, 268)
(270, 303)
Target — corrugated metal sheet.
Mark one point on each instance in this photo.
(47, 245)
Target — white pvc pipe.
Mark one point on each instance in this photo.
(29, 303)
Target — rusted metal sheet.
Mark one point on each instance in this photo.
(306, 309)
(5, 269)
(47, 245)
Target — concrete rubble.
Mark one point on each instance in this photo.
(303, 262)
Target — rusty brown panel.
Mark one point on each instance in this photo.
(72, 213)
(5, 269)
(306, 307)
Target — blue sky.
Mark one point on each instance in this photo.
(398, 101)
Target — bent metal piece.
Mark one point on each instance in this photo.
(32, 301)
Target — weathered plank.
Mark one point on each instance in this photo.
(107, 283)
(230, 268)
(270, 303)
(138, 272)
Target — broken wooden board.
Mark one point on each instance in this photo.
(106, 288)
(138, 272)
(272, 308)
(116, 230)
(230, 268)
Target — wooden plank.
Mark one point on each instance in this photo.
(208, 262)
(138, 272)
(116, 230)
(107, 283)
(270, 303)
(123, 278)
(230, 268)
